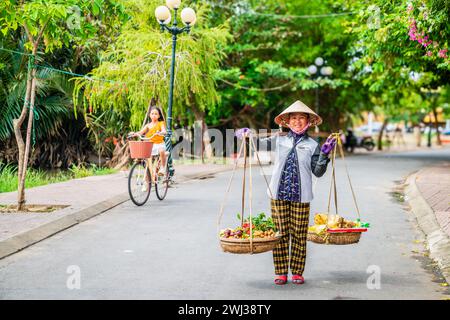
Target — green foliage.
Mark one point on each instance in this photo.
(261, 222)
(58, 22)
(9, 182)
(390, 62)
(65, 35)
(81, 171)
(387, 50)
(104, 128)
(243, 62)
(266, 66)
(52, 102)
(138, 64)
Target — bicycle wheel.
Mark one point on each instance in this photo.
(139, 183)
(161, 181)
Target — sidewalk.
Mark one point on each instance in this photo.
(428, 192)
(84, 198)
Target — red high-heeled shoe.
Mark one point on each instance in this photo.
(298, 279)
(281, 279)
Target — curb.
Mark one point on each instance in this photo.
(30, 237)
(25, 239)
(437, 241)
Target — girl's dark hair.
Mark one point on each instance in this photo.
(161, 115)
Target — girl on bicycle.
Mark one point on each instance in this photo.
(156, 128)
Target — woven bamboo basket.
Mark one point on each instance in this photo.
(245, 246)
(242, 246)
(335, 238)
(341, 235)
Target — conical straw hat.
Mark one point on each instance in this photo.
(298, 106)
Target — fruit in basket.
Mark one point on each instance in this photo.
(359, 224)
(240, 233)
(317, 228)
(320, 218)
(260, 227)
(335, 221)
(258, 234)
(226, 233)
(349, 224)
(323, 221)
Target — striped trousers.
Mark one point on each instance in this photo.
(294, 227)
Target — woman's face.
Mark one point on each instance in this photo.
(298, 121)
(154, 115)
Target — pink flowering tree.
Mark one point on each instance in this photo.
(400, 48)
(428, 23)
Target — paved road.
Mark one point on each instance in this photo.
(169, 249)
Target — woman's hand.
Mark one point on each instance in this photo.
(329, 144)
(243, 132)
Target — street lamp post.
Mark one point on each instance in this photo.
(163, 16)
(316, 74)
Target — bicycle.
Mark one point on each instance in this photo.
(146, 171)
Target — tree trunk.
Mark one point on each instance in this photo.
(436, 124)
(18, 124)
(380, 136)
(24, 149)
(206, 139)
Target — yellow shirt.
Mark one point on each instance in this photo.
(151, 131)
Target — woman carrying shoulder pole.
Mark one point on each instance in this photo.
(297, 158)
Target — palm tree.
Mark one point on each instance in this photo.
(54, 118)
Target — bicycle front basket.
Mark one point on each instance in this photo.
(140, 149)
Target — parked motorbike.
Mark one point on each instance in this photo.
(352, 142)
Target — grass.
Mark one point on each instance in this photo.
(82, 171)
(35, 178)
